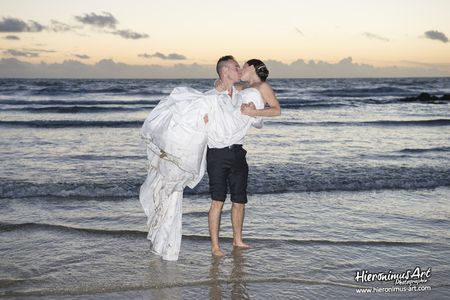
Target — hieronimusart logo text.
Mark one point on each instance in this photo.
(408, 277)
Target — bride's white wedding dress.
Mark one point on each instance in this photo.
(176, 138)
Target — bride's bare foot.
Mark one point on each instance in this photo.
(217, 252)
(241, 245)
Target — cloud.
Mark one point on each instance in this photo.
(128, 34)
(11, 37)
(426, 65)
(299, 31)
(170, 56)
(436, 35)
(14, 52)
(26, 52)
(98, 20)
(82, 56)
(57, 26)
(107, 68)
(375, 36)
(101, 21)
(347, 68)
(145, 55)
(17, 25)
(39, 50)
(107, 20)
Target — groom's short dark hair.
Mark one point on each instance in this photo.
(221, 62)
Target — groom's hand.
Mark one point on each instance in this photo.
(205, 118)
(248, 109)
(218, 85)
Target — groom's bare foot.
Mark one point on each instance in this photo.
(241, 245)
(217, 252)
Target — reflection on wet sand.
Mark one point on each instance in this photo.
(220, 278)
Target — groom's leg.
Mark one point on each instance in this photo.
(237, 220)
(214, 216)
(218, 171)
(238, 188)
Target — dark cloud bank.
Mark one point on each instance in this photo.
(107, 68)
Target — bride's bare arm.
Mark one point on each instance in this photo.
(269, 97)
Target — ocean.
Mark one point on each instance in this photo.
(351, 179)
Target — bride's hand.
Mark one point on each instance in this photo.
(219, 85)
(248, 109)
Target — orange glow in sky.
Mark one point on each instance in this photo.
(166, 32)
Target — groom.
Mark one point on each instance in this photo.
(227, 166)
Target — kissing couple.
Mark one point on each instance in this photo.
(190, 132)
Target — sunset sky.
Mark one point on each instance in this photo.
(383, 33)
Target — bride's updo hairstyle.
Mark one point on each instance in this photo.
(260, 68)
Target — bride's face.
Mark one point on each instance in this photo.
(246, 72)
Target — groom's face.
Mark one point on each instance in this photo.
(233, 71)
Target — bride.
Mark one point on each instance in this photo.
(176, 133)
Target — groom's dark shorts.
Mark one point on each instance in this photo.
(227, 167)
